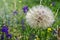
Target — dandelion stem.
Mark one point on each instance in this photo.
(15, 4)
(6, 9)
(40, 2)
(56, 13)
(57, 30)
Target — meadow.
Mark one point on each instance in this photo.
(12, 15)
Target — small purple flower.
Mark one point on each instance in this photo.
(53, 3)
(25, 9)
(9, 36)
(15, 12)
(5, 29)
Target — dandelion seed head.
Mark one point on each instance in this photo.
(40, 16)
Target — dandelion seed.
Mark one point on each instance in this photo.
(40, 16)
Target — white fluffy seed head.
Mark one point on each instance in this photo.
(40, 16)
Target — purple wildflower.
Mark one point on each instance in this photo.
(5, 29)
(25, 9)
(53, 3)
(8, 36)
(15, 12)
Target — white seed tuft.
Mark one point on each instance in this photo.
(40, 16)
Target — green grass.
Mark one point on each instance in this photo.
(8, 6)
